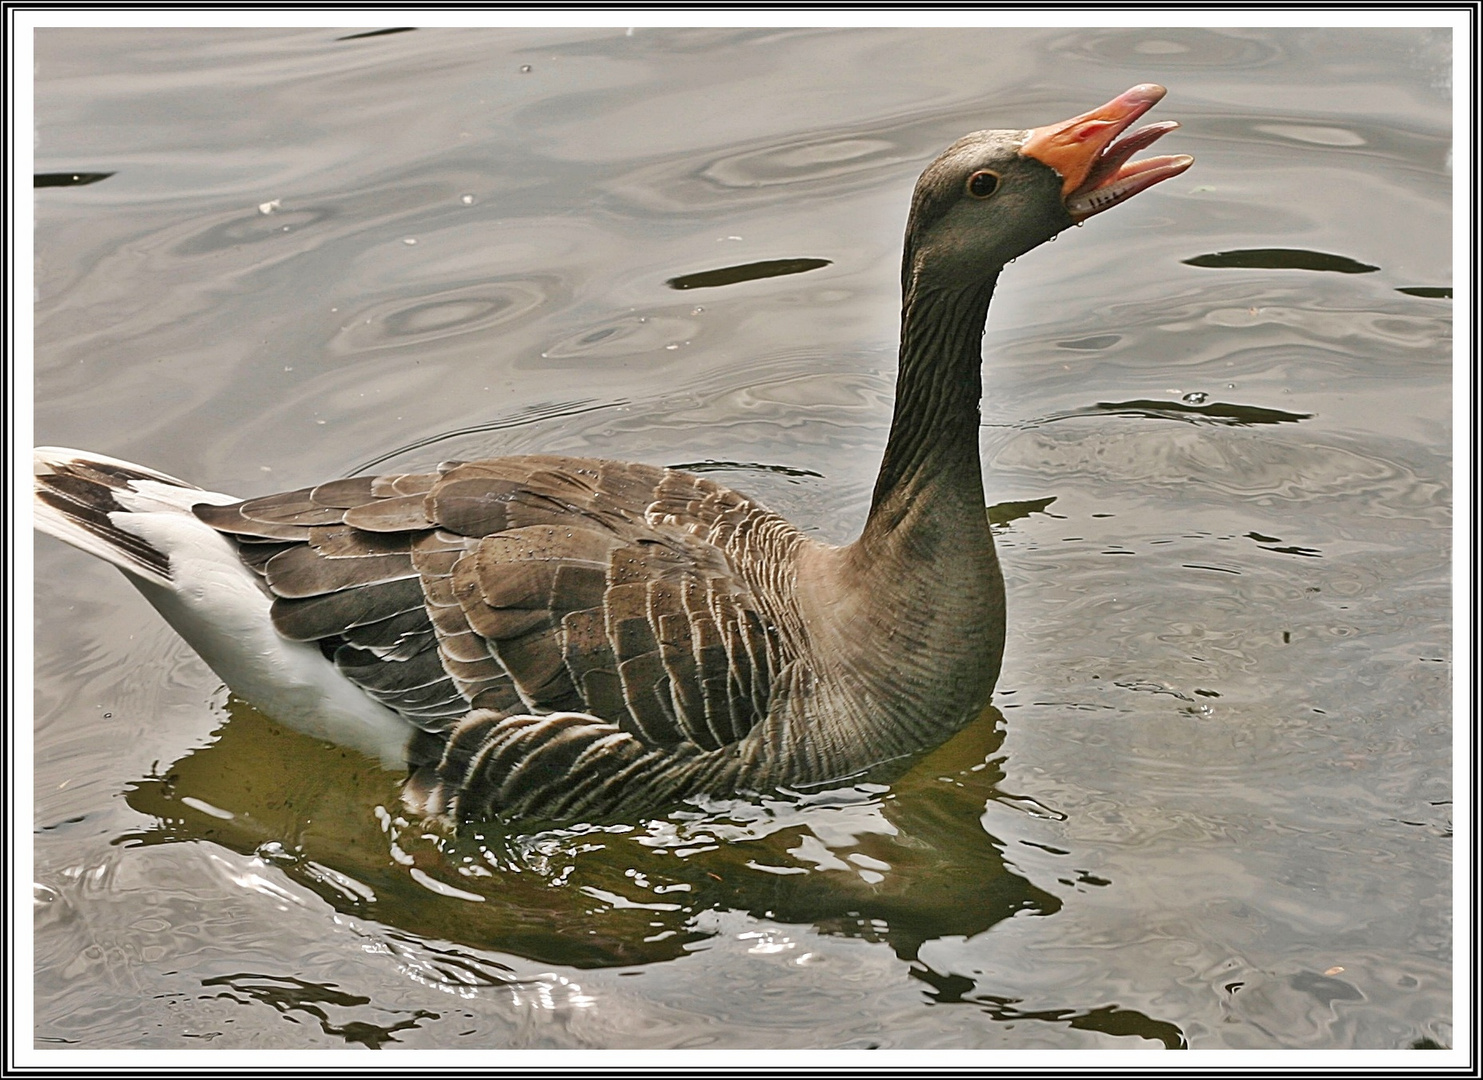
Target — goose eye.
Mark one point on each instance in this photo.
(982, 184)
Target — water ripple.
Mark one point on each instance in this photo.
(416, 320)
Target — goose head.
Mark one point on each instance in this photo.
(994, 195)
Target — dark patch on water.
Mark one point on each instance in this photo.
(951, 989)
(377, 33)
(731, 275)
(1091, 344)
(290, 995)
(69, 179)
(1005, 512)
(1215, 412)
(1281, 259)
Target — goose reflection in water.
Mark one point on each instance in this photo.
(900, 863)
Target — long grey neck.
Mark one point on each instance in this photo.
(930, 478)
(907, 623)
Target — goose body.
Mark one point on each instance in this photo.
(561, 637)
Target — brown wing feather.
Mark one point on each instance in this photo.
(529, 585)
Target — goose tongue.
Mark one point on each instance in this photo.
(1093, 162)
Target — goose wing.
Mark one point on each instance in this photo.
(527, 586)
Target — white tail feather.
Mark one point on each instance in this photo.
(141, 521)
(149, 492)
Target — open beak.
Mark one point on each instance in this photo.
(1093, 162)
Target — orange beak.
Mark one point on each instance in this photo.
(1094, 168)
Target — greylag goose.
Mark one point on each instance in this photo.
(556, 637)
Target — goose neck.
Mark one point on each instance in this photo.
(931, 465)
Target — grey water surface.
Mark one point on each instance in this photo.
(1210, 806)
